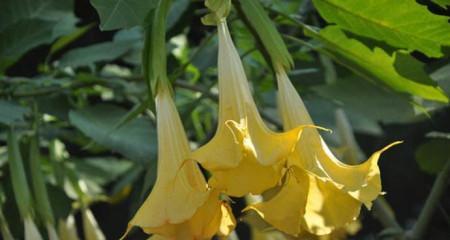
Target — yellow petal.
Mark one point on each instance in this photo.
(286, 209)
(248, 177)
(312, 154)
(180, 188)
(305, 203)
(328, 208)
(242, 140)
(213, 217)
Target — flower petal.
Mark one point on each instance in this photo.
(211, 218)
(312, 154)
(285, 210)
(180, 188)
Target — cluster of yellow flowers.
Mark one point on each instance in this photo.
(315, 192)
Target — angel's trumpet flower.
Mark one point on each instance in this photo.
(180, 205)
(322, 193)
(244, 156)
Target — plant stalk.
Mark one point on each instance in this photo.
(432, 202)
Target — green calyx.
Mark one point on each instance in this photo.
(154, 56)
(219, 10)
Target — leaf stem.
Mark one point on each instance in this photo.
(424, 219)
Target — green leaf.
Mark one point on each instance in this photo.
(26, 24)
(176, 12)
(368, 100)
(12, 113)
(16, 10)
(432, 155)
(400, 23)
(377, 65)
(85, 56)
(135, 140)
(115, 14)
(18, 38)
(442, 77)
(102, 170)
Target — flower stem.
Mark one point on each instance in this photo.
(439, 187)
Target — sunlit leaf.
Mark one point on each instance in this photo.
(401, 23)
(377, 65)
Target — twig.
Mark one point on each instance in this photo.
(50, 90)
(383, 213)
(439, 187)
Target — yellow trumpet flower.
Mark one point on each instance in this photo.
(180, 205)
(244, 156)
(320, 193)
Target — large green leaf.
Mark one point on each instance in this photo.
(400, 23)
(115, 14)
(27, 24)
(377, 65)
(135, 140)
(123, 41)
(368, 100)
(15, 10)
(86, 56)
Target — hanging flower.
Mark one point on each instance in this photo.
(320, 193)
(180, 205)
(244, 156)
